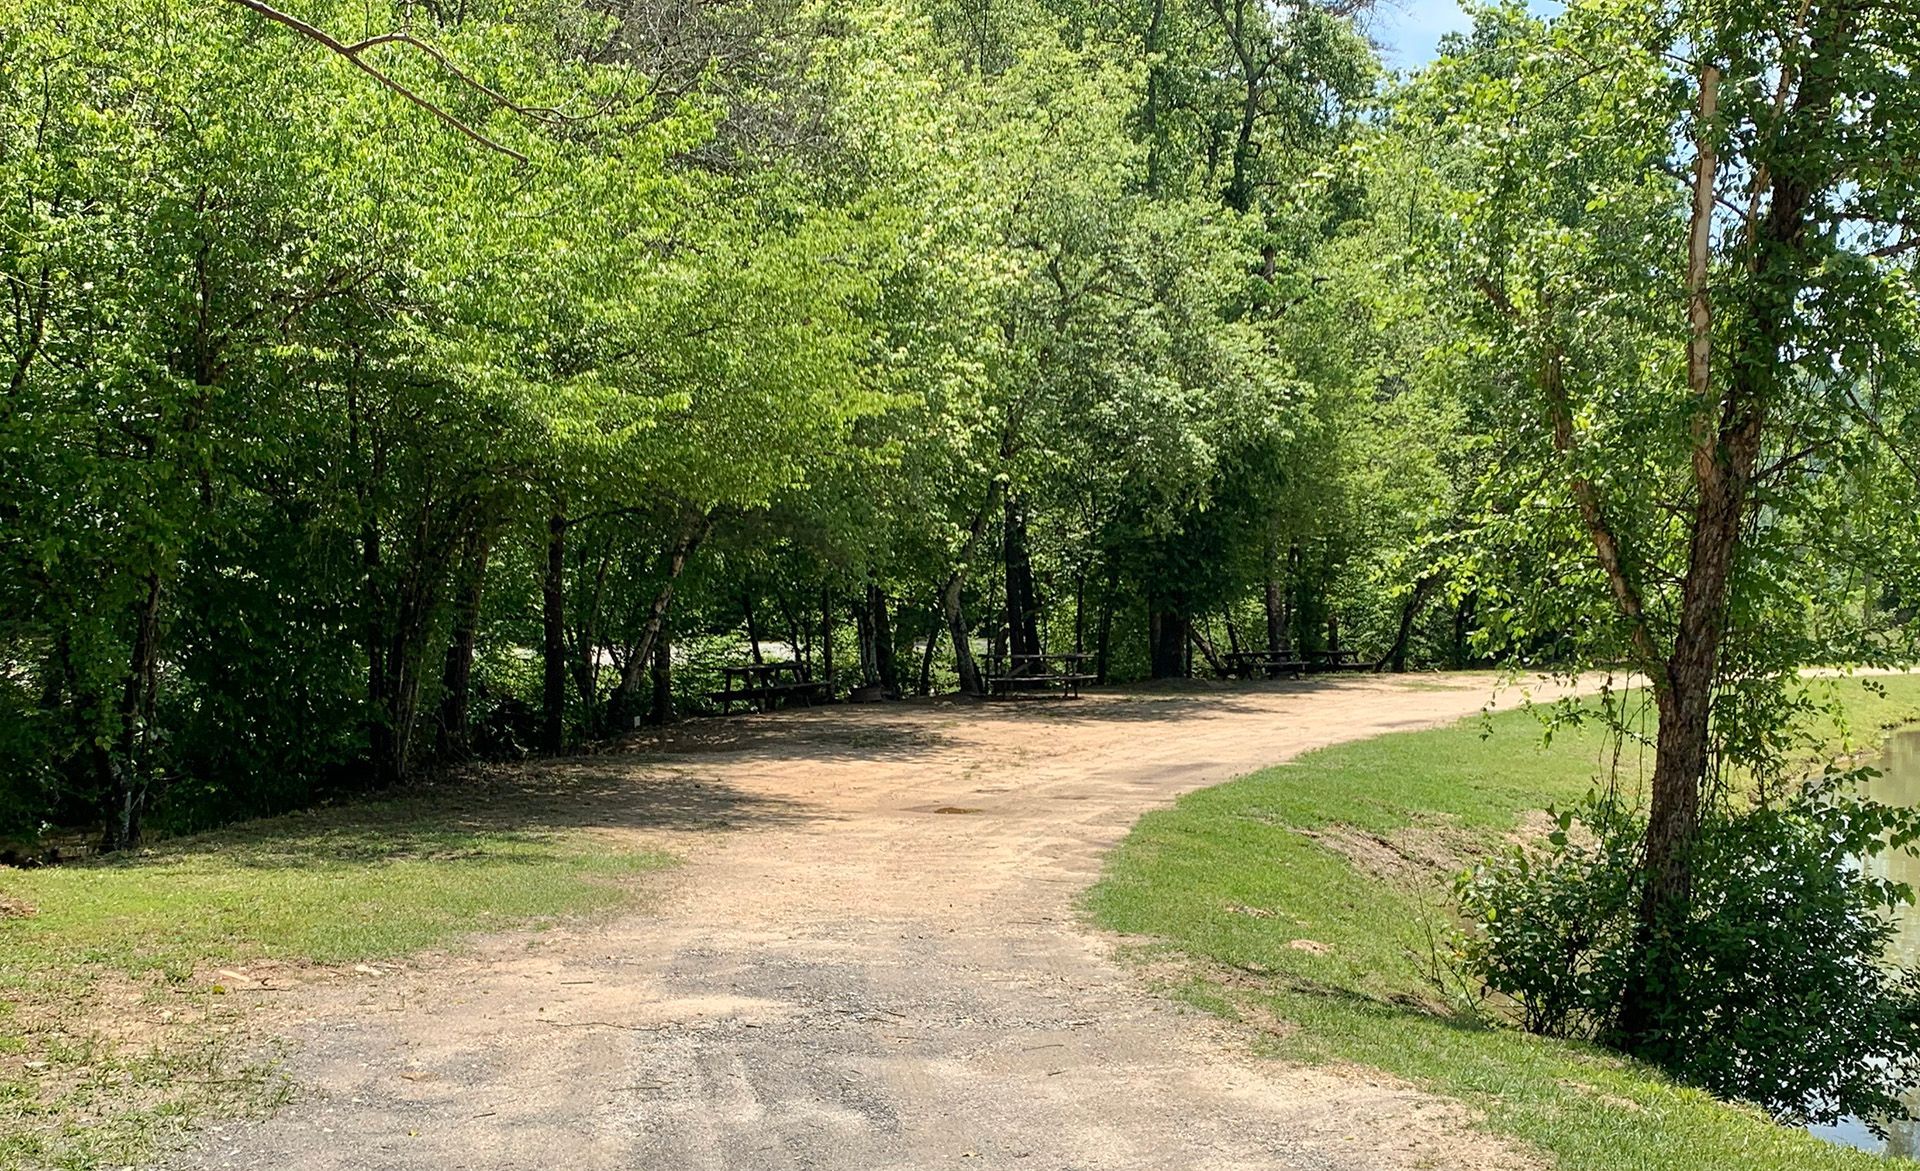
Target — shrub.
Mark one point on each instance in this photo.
(1785, 998)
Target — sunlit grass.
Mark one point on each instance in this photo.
(117, 1029)
(1231, 877)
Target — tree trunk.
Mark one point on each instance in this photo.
(951, 595)
(1080, 612)
(1167, 641)
(621, 707)
(1396, 657)
(456, 673)
(586, 647)
(926, 655)
(128, 774)
(379, 718)
(1201, 642)
(863, 639)
(1276, 617)
(753, 627)
(1462, 620)
(1103, 652)
(1682, 751)
(797, 637)
(826, 634)
(661, 711)
(553, 611)
(1727, 432)
(1023, 632)
(883, 652)
(963, 663)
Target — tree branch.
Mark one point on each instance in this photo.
(1586, 494)
(352, 53)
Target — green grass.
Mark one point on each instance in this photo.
(1231, 876)
(116, 1028)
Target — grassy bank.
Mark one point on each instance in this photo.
(131, 989)
(1304, 894)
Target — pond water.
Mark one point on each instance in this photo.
(1898, 784)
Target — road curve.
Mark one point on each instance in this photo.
(871, 959)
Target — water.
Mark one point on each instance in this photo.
(1897, 784)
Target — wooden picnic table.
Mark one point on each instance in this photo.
(1336, 660)
(1272, 664)
(1009, 675)
(764, 684)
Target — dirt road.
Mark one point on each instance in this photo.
(870, 960)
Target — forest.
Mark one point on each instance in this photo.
(389, 384)
(393, 385)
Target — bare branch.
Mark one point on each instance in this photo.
(352, 54)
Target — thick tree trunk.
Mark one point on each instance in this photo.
(456, 673)
(553, 613)
(1682, 752)
(1023, 632)
(1727, 432)
(1167, 641)
(962, 638)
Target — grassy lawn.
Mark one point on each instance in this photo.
(117, 1024)
(1305, 892)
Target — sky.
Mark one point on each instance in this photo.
(1411, 29)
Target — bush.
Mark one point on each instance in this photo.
(1785, 997)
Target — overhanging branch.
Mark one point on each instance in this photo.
(353, 51)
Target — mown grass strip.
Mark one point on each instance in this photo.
(1307, 892)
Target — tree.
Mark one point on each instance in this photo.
(1682, 228)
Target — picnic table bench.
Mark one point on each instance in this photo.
(766, 684)
(1248, 664)
(1009, 675)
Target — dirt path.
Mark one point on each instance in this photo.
(870, 960)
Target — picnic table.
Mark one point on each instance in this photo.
(1336, 660)
(765, 684)
(1009, 675)
(1271, 664)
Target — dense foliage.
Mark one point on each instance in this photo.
(389, 382)
(1782, 998)
(482, 384)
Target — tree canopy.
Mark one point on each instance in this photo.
(391, 383)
